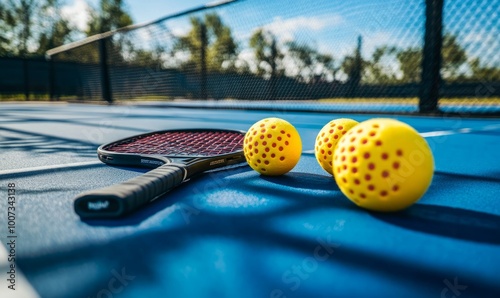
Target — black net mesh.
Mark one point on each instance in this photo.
(315, 54)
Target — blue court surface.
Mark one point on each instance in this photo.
(232, 232)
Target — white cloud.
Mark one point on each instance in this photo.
(285, 29)
(77, 13)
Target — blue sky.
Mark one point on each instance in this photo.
(332, 26)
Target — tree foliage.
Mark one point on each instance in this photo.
(312, 65)
(267, 53)
(211, 33)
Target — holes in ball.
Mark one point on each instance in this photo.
(342, 150)
(256, 151)
(329, 145)
(264, 155)
(375, 126)
(351, 149)
(286, 143)
(262, 137)
(325, 140)
(385, 174)
(395, 188)
(254, 133)
(330, 131)
(372, 133)
(273, 155)
(266, 162)
(356, 181)
(395, 165)
(362, 196)
(282, 132)
(273, 127)
(364, 141)
(267, 149)
(258, 161)
(264, 143)
(343, 158)
(335, 137)
(320, 143)
(366, 155)
(340, 127)
(371, 187)
(288, 135)
(378, 143)
(353, 139)
(322, 134)
(279, 138)
(262, 125)
(332, 125)
(263, 130)
(383, 193)
(368, 177)
(250, 147)
(282, 158)
(371, 166)
(354, 159)
(329, 152)
(360, 130)
(251, 154)
(280, 148)
(351, 191)
(385, 155)
(274, 145)
(269, 135)
(399, 152)
(344, 180)
(262, 169)
(256, 144)
(344, 167)
(354, 170)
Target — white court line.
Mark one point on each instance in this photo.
(439, 133)
(23, 289)
(51, 167)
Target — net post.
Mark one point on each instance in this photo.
(103, 60)
(52, 91)
(203, 61)
(26, 80)
(431, 60)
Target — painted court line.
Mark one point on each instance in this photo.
(440, 133)
(23, 289)
(51, 167)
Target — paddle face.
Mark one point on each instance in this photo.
(177, 155)
(157, 148)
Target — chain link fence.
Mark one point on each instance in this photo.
(374, 56)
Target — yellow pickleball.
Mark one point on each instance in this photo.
(328, 138)
(272, 146)
(383, 165)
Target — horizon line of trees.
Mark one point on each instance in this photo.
(30, 27)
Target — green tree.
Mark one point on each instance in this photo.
(56, 30)
(211, 33)
(18, 19)
(311, 64)
(267, 53)
(377, 71)
(410, 64)
(484, 73)
(110, 15)
(454, 57)
(353, 66)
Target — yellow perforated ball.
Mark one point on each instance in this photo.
(328, 138)
(272, 146)
(383, 165)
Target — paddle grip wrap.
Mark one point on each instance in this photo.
(120, 199)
